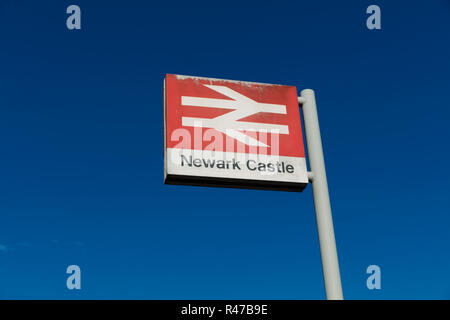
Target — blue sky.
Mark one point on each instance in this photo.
(81, 157)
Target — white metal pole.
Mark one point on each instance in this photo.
(327, 242)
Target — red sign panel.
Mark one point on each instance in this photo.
(232, 133)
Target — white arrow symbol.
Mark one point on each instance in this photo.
(229, 123)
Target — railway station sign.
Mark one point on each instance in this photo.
(232, 134)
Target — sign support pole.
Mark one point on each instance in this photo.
(327, 242)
